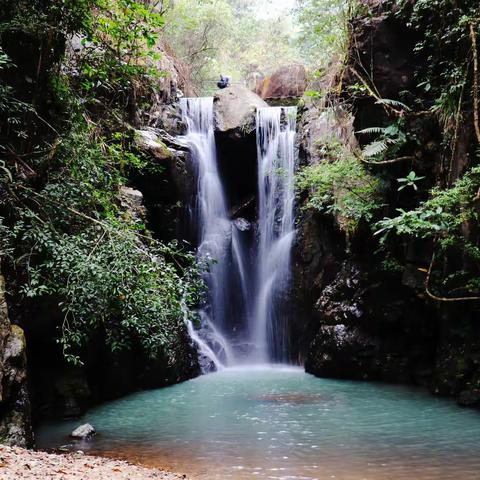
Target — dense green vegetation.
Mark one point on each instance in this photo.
(341, 186)
(250, 38)
(446, 94)
(67, 147)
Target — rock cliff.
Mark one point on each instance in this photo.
(15, 427)
(366, 321)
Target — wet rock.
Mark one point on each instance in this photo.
(15, 425)
(469, 398)
(83, 431)
(321, 127)
(365, 329)
(149, 141)
(235, 110)
(242, 225)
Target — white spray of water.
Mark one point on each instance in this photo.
(214, 224)
(220, 239)
(276, 130)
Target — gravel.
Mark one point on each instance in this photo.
(18, 463)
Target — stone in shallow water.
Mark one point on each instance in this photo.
(83, 431)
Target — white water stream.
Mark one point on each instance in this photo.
(276, 130)
(258, 277)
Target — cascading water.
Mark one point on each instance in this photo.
(243, 321)
(213, 223)
(276, 130)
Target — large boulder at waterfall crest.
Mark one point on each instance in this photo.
(235, 110)
(287, 82)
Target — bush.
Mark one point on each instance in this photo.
(73, 241)
(342, 187)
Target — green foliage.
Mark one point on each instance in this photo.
(440, 217)
(66, 236)
(75, 243)
(389, 140)
(445, 219)
(41, 19)
(442, 49)
(409, 181)
(342, 187)
(323, 32)
(108, 283)
(120, 46)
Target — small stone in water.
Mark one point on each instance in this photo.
(83, 431)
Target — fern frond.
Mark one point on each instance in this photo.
(374, 148)
(394, 103)
(370, 130)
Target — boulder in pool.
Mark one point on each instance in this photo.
(83, 431)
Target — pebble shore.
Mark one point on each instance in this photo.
(18, 463)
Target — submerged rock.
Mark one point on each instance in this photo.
(84, 431)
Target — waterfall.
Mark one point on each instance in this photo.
(243, 320)
(276, 131)
(214, 226)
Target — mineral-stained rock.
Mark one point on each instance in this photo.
(15, 428)
(149, 141)
(287, 82)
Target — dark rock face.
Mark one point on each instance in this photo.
(383, 47)
(59, 390)
(369, 330)
(362, 320)
(168, 190)
(14, 399)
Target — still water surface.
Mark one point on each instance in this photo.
(280, 423)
